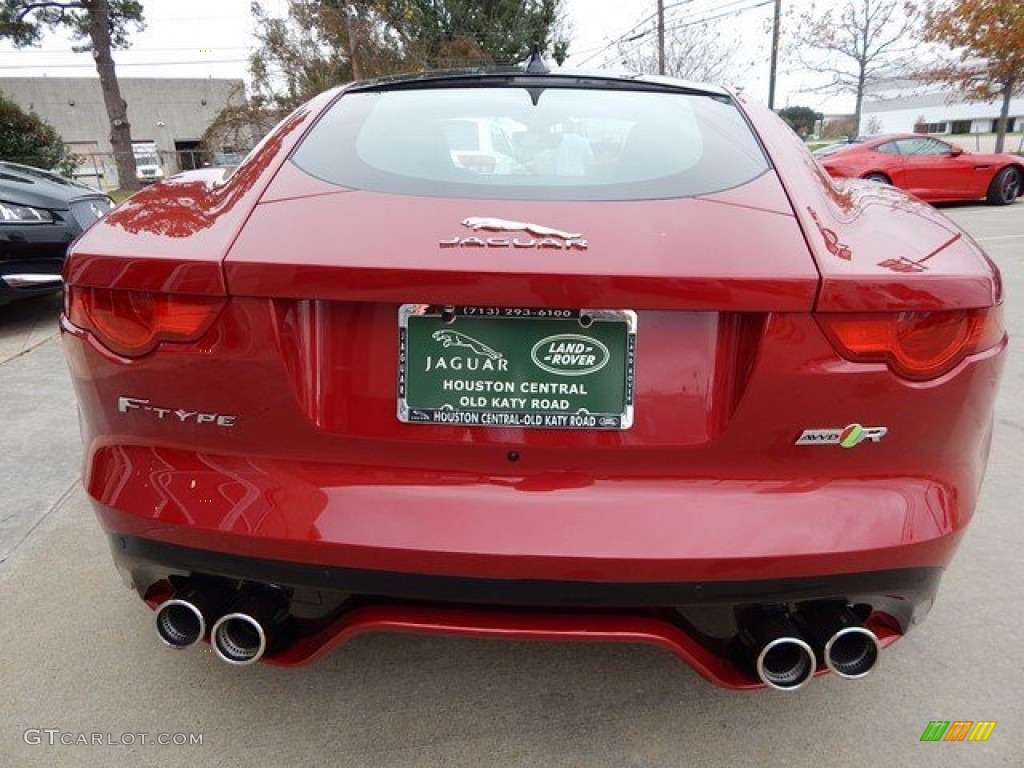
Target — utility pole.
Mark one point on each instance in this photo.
(775, 54)
(661, 37)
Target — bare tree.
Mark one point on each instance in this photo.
(104, 24)
(692, 52)
(855, 44)
(241, 124)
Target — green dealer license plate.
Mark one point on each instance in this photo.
(516, 367)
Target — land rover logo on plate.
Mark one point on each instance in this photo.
(516, 367)
(570, 354)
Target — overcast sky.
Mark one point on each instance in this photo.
(212, 38)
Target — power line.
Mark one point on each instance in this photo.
(694, 21)
(721, 11)
(127, 64)
(625, 36)
(40, 51)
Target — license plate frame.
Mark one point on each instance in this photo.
(516, 367)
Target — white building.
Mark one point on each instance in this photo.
(905, 106)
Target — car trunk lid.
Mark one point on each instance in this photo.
(345, 269)
(740, 250)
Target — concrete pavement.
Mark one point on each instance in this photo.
(80, 654)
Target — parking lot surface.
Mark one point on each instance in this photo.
(82, 662)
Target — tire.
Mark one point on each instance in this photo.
(881, 178)
(1006, 186)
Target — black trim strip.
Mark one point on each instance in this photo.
(516, 77)
(140, 555)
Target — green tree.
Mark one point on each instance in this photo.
(27, 138)
(987, 57)
(320, 43)
(315, 46)
(101, 25)
(444, 33)
(803, 120)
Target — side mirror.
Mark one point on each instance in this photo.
(956, 151)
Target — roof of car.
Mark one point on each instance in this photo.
(34, 186)
(882, 138)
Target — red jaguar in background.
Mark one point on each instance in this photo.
(659, 380)
(932, 169)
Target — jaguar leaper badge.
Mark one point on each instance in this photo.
(543, 237)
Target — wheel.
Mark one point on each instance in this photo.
(1005, 187)
(881, 178)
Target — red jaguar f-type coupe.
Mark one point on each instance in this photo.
(637, 371)
(930, 168)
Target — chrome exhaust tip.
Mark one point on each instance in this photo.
(180, 624)
(782, 659)
(257, 621)
(786, 664)
(849, 649)
(852, 652)
(238, 638)
(182, 621)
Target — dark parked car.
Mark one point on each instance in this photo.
(41, 213)
(661, 381)
(930, 168)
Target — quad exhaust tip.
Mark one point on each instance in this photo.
(852, 652)
(245, 622)
(182, 621)
(786, 663)
(780, 656)
(180, 624)
(238, 638)
(849, 649)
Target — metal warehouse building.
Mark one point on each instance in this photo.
(172, 113)
(902, 106)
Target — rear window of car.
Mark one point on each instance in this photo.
(551, 143)
(462, 135)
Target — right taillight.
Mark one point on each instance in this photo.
(916, 345)
(132, 323)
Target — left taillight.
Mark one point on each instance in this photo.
(916, 345)
(132, 323)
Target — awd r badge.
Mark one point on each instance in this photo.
(847, 437)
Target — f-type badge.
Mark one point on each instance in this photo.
(543, 237)
(847, 437)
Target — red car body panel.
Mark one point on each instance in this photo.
(384, 263)
(273, 437)
(876, 248)
(935, 178)
(173, 238)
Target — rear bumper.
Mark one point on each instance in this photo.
(698, 622)
(671, 562)
(143, 559)
(554, 526)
